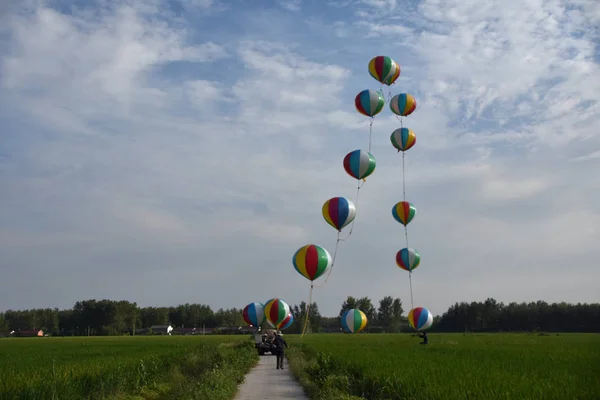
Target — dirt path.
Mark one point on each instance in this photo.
(266, 382)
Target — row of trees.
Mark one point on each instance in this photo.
(492, 316)
(107, 317)
(387, 317)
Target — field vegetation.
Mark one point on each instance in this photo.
(124, 367)
(451, 366)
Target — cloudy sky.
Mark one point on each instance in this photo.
(170, 151)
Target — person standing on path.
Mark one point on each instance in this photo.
(279, 343)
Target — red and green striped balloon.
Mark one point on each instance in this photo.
(404, 212)
(408, 259)
(359, 164)
(403, 104)
(384, 69)
(276, 312)
(403, 139)
(311, 261)
(369, 102)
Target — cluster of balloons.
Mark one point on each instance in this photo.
(313, 261)
(275, 312)
(386, 71)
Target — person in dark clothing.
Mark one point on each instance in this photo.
(279, 343)
(424, 336)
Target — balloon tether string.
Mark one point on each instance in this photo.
(403, 180)
(340, 239)
(359, 184)
(337, 245)
(405, 227)
(370, 132)
(307, 310)
(412, 306)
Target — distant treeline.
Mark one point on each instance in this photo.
(108, 317)
(491, 316)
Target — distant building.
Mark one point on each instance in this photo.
(183, 331)
(161, 329)
(31, 333)
(191, 331)
(234, 330)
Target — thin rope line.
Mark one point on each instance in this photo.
(307, 311)
(412, 306)
(370, 133)
(339, 239)
(359, 184)
(403, 179)
(406, 227)
(399, 118)
(337, 243)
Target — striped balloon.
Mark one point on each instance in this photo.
(359, 164)
(254, 314)
(311, 261)
(288, 321)
(276, 311)
(404, 212)
(339, 212)
(384, 69)
(354, 320)
(408, 259)
(420, 318)
(369, 102)
(403, 104)
(403, 139)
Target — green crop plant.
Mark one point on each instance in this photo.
(123, 367)
(452, 366)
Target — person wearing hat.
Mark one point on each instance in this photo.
(279, 343)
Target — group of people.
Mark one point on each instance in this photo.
(278, 344)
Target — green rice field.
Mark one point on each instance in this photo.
(79, 368)
(330, 366)
(451, 366)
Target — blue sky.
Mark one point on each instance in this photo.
(167, 152)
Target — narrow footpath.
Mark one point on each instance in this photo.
(266, 382)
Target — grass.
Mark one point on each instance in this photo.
(124, 368)
(486, 366)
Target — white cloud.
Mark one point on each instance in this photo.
(291, 5)
(139, 140)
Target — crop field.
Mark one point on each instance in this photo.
(451, 366)
(123, 367)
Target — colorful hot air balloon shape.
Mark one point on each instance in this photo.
(408, 259)
(311, 261)
(403, 139)
(288, 321)
(404, 212)
(254, 314)
(369, 102)
(276, 312)
(384, 69)
(359, 164)
(420, 318)
(339, 212)
(403, 104)
(354, 320)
